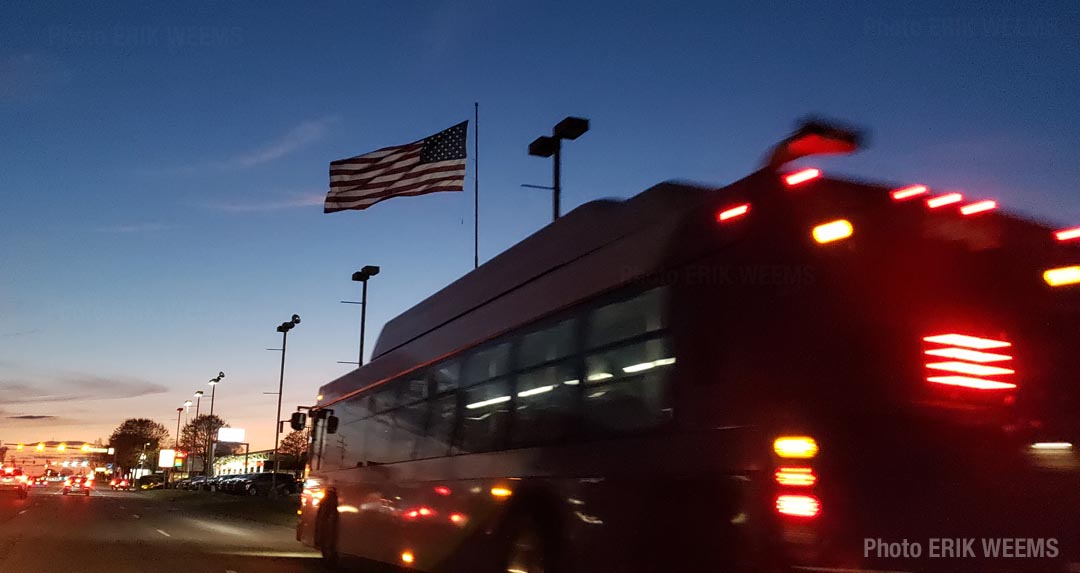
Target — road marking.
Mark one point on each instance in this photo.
(23, 511)
(229, 571)
(288, 554)
(162, 532)
(135, 515)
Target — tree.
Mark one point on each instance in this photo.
(196, 436)
(136, 435)
(295, 444)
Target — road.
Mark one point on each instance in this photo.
(121, 532)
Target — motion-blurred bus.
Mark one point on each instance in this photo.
(757, 377)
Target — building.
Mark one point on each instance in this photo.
(70, 457)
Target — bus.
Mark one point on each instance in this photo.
(793, 372)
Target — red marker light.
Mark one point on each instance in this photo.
(979, 207)
(942, 200)
(802, 477)
(732, 213)
(1068, 234)
(909, 192)
(800, 177)
(442, 490)
(967, 341)
(457, 518)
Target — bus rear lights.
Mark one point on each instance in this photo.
(833, 231)
(800, 177)
(1062, 276)
(1068, 234)
(968, 368)
(943, 200)
(799, 477)
(979, 207)
(969, 355)
(798, 505)
(909, 192)
(967, 341)
(732, 213)
(968, 382)
(795, 447)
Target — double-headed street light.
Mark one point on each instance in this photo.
(213, 392)
(365, 273)
(284, 329)
(547, 146)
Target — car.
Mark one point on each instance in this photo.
(213, 483)
(196, 483)
(39, 481)
(13, 479)
(120, 484)
(261, 484)
(78, 484)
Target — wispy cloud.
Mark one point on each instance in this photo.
(258, 204)
(77, 387)
(137, 228)
(299, 136)
(32, 417)
(18, 334)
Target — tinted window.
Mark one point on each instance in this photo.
(409, 429)
(545, 345)
(625, 319)
(379, 433)
(487, 363)
(485, 418)
(626, 388)
(545, 407)
(446, 376)
(439, 434)
(386, 397)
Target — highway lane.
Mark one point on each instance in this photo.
(121, 532)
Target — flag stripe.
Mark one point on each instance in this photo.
(391, 180)
(330, 208)
(401, 166)
(439, 178)
(381, 163)
(374, 156)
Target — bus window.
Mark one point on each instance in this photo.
(380, 446)
(439, 435)
(626, 388)
(546, 345)
(386, 398)
(545, 406)
(446, 376)
(484, 421)
(487, 363)
(625, 319)
(409, 422)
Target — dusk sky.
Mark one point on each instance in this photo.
(163, 166)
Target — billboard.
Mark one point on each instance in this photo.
(166, 458)
(233, 435)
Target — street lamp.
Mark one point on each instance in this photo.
(213, 392)
(362, 276)
(284, 329)
(176, 442)
(547, 146)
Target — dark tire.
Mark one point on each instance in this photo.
(326, 529)
(252, 491)
(530, 543)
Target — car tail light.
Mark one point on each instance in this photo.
(798, 505)
(968, 367)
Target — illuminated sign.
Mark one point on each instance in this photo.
(235, 435)
(166, 458)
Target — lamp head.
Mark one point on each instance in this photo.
(370, 270)
(296, 319)
(198, 393)
(543, 146)
(571, 128)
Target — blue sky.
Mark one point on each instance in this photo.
(162, 165)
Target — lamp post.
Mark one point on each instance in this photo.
(362, 276)
(213, 392)
(548, 146)
(176, 442)
(187, 459)
(284, 329)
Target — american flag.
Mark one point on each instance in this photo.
(435, 163)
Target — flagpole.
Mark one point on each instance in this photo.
(476, 185)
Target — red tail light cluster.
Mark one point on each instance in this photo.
(796, 477)
(961, 360)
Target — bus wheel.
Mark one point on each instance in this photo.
(326, 526)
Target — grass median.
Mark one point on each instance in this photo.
(280, 511)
